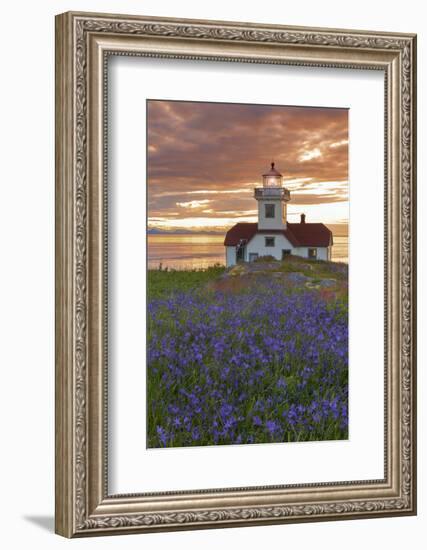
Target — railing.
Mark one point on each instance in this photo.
(272, 192)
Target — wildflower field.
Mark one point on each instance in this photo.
(255, 354)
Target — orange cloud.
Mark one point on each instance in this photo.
(210, 156)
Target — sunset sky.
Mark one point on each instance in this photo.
(204, 160)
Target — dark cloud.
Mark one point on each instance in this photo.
(216, 147)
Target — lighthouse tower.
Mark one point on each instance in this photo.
(272, 198)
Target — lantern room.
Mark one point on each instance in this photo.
(272, 178)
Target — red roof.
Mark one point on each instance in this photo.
(311, 234)
(240, 231)
(298, 234)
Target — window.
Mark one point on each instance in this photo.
(269, 210)
(285, 252)
(312, 253)
(269, 241)
(253, 256)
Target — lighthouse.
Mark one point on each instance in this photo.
(272, 235)
(272, 198)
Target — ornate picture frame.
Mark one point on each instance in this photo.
(84, 42)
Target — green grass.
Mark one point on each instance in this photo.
(163, 282)
(318, 269)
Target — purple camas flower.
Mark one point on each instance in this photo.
(162, 435)
(226, 409)
(257, 421)
(272, 426)
(221, 363)
(281, 383)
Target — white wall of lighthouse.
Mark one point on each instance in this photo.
(258, 245)
(265, 207)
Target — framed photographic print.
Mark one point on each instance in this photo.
(235, 274)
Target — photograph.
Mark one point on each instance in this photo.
(247, 273)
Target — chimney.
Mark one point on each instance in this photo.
(302, 218)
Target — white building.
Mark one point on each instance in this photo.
(273, 235)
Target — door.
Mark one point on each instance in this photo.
(240, 256)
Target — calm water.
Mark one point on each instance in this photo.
(199, 251)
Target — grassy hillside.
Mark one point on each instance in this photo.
(257, 353)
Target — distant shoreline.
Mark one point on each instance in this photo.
(184, 232)
(161, 232)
